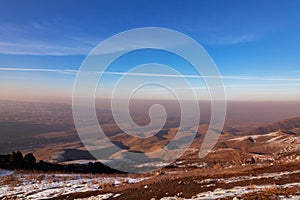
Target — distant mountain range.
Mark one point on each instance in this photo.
(288, 125)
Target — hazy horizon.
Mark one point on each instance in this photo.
(254, 46)
(237, 111)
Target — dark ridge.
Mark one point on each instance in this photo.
(16, 160)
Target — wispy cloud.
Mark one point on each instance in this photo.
(232, 39)
(77, 46)
(42, 48)
(40, 38)
(64, 71)
(74, 72)
(199, 76)
(241, 86)
(238, 39)
(258, 78)
(36, 38)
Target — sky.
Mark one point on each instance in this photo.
(254, 44)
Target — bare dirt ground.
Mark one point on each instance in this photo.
(189, 182)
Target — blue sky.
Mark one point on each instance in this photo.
(255, 44)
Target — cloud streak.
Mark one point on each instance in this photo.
(64, 71)
(37, 48)
(74, 72)
(36, 41)
(229, 86)
(39, 38)
(221, 39)
(230, 40)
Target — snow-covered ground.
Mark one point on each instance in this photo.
(275, 176)
(217, 193)
(41, 185)
(272, 134)
(237, 192)
(4, 172)
(101, 197)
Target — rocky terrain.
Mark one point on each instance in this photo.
(251, 160)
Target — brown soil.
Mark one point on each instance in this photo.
(188, 183)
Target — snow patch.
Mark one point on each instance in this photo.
(98, 197)
(4, 172)
(255, 136)
(42, 185)
(232, 192)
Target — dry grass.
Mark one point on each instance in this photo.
(40, 178)
(8, 180)
(252, 187)
(106, 185)
(271, 190)
(272, 193)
